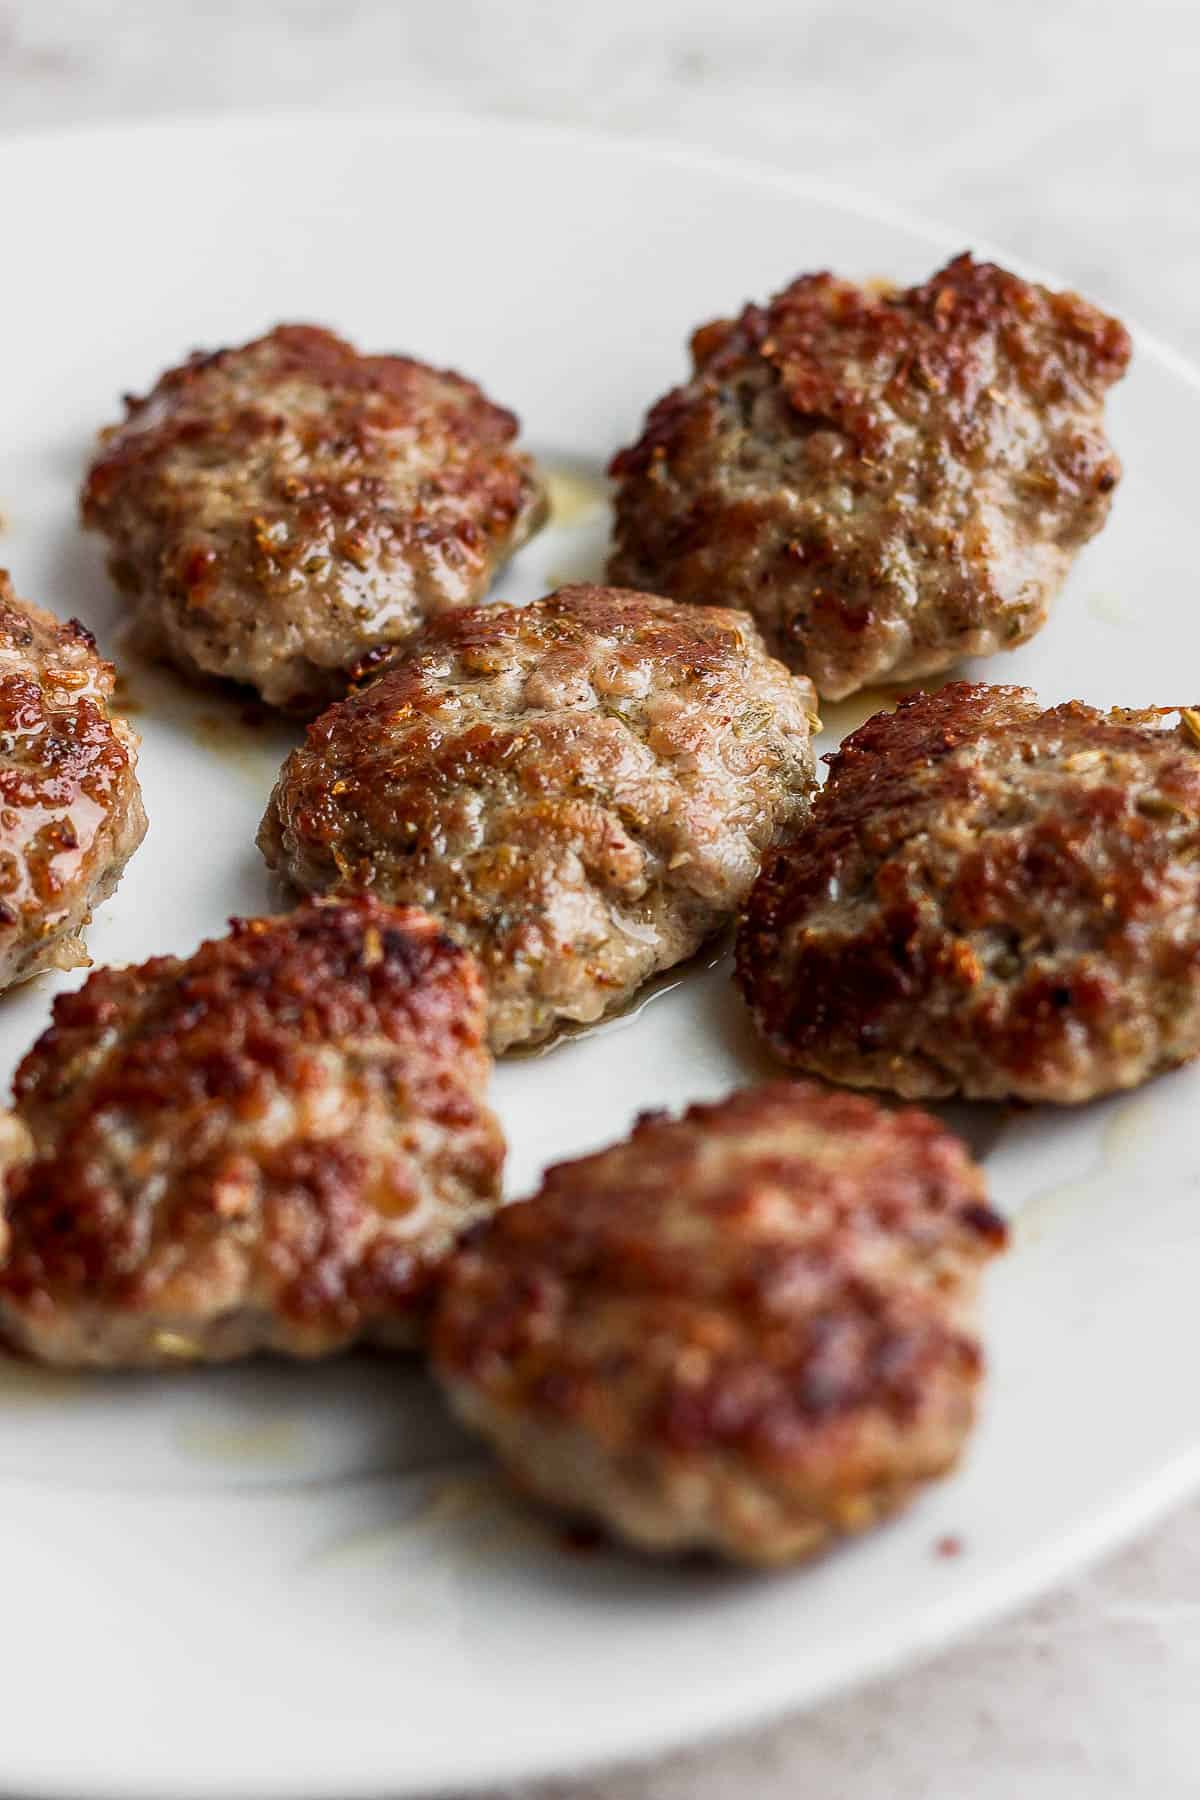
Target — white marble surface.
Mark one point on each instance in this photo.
(1065, 130)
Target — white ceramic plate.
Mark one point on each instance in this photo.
(303, 1582)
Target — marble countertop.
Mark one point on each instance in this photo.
(1069, 133)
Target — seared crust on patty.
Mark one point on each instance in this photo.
(748, 1330)
(277, 510)
(266, 1146)
(991, 900)
(70, 805)
(582, 789)
(888, 481)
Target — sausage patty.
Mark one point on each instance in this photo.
(274, 511)
(991, 900)
(70, 805)
(582, 789)
(889, 481)
(746, 1330)
(266, 1146)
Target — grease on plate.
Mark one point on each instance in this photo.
(1120, 1141)
(588, 566)
(239, 741)
(145, 683)
(275, 1441)
(29, 1384)
(1112, 609)
(474, 1505)
(224, 722)
(621, 1017)
(575, 494)
(840, 717)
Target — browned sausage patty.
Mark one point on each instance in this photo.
(582, 789)
(267, 1146)
(992, 900)
(274, 511)
(889, 481)
(747, 1330)
(70, 805)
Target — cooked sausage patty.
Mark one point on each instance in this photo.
(582, 789)
(70, 806)
(746, 1330)
(267, 1146)
(889, 481)
(277, 510)
(991, 900)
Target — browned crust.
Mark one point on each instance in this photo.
(70, 808)
(656, 632)
(581, 787)
(151, 1100)
(367, 394)
(877, 414)
(779, 1284)
(990, 899)
(827, 340)
(321, 513)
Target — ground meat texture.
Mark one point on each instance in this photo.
(748, 1330)
(274, 511)
(267, 1146)
(582, 789)
(70, 806)
(992, 900)
(889, 481)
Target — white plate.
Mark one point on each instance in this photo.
(293, 1582)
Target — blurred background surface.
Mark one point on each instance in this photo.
(1068, 130)
(1067, 133)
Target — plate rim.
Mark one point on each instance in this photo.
(679, 151)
